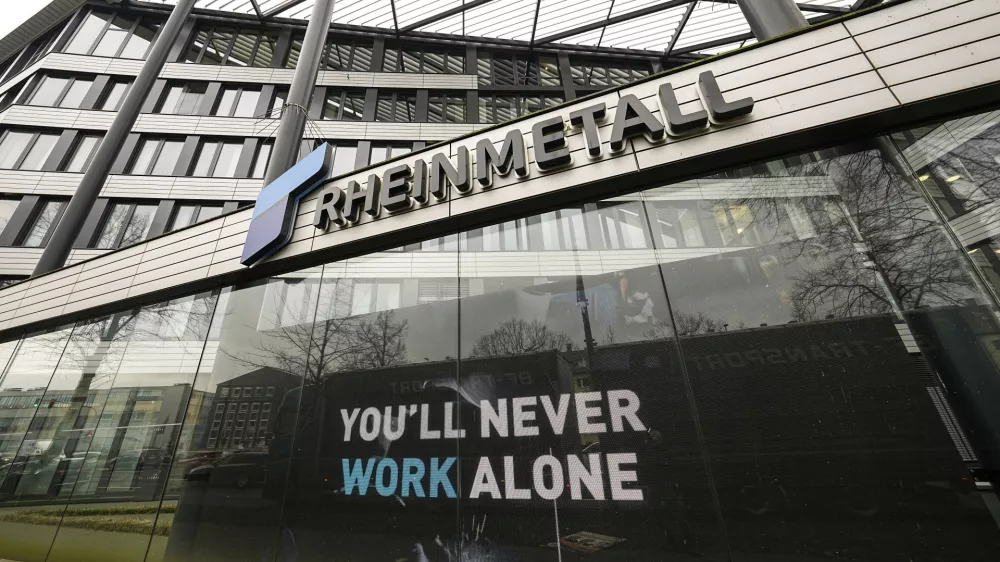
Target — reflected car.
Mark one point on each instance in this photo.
(241, 469)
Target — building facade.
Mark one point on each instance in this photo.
(553, 302)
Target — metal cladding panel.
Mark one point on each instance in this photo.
(801, 83)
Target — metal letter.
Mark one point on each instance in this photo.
(419, 189)
(588, 118)
(357, 199)
(549, 138)
(442, 170)
(512, 156)
(721, 109)
(678, 122)
(328, 208)
(396, 188)
(633, 118)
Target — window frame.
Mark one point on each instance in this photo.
(106, 94)
(136, 21)
(161, 141)
(27, 147)
(240, 89)
(394, 98)
(342, 94)
(447, 99)
(36, 212)
(352, 65)
(117, 244)
(421, 51)
(488, 101)
(220, 142)
(198, 206)
(224, 60)
(70, 81)
(71, 153)
(487, 60)
(185, 90)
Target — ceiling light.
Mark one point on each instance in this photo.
(953, 178)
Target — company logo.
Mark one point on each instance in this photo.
(274, 213)
(402, 187)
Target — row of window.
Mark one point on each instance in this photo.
(71, 91)
(106, 34)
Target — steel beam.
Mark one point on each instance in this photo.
(61, 242)
(611, 21)
(680, 28)
(281, 8)
(771, 18)
(293, 118)
(444, 15)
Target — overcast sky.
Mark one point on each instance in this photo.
(16, 11)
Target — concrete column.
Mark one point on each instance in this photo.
(771, 18)
(293, 118)
(61, 242)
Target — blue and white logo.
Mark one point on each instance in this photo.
(274, 213)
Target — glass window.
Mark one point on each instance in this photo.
(446, 108)
(76, 93)
(46, 217)
(217, 159)
(261, 160)
(87, 34)
(396, 106)
(346, 105)
(227, 100)
(243, 48)
(49, 90)
(7, 207)
(247, 104)
(183, 99)
(265, 50)
(39, 152)
(278, 103)
(114, 95)
(156, 157)
(140, 40)
(12, 147)
(113, 37)
(83, 152)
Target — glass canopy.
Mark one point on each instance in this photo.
(668, 28)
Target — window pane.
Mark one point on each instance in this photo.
(362, 59)
(145, 156)
(82, 153)
(113, 225)
(391, 63)
(39, 152)
(191, 99)
(45, 219)
(338, 56)
(12, 147)
(116, 93)
(226, 102)
(209, 212)
(48, 91)
(87, 34)
(455, 109)
(354, 106)
(260, 164)
(184, 215)
(247, 106)
(197, 45)
(455, 64)
(167, 159)
(240, 55)
(383, 111)
(140, 41)
(7, 207)
(171, 99)
(293, 53)
(378, 154)
(265, 52)
(411, 60)
(217, 46)
(139, 225)
(435, 109)
(343, 160)
(406, 108)
(113, 38)
(78, 91)
(203, 165)
(280, 95)
(229, 156)
(434, 63)
(332, 105)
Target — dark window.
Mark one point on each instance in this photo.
(232, 47)
(499, 108)
(414, 58)
(217, 159)
(110, 35)
(113, 95)
(278, 102)
(156, 157)
(347, 55)
(237, 101)
(344, 105)
(186, 214)
(604, 74)
(183, 98)
(25, 150)
(396, 107)
(125, 224)
(46, 215)
(517, 69)
(83, 152)
(445, 107)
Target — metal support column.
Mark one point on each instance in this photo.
(293, 118)
(771, 18)
(61, 242)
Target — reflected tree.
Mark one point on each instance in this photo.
(519, 336)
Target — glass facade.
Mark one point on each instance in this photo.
(794, 360)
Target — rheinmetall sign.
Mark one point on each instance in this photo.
(403, 187)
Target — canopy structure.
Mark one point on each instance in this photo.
(664, 27)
